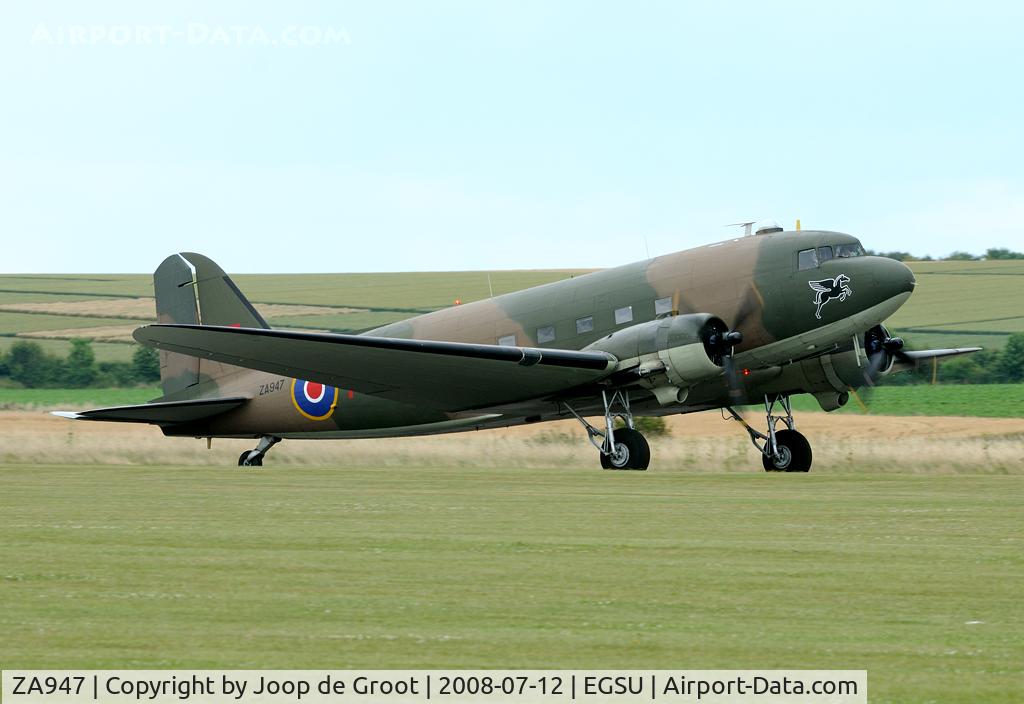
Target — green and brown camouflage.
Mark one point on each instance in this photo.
(807, 306)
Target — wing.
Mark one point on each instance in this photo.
(817, 286)
(450, 376)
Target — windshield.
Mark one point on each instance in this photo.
(842, 251)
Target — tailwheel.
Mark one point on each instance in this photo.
(254, 458)
(245, 461)
(792, 454)
(631, 451)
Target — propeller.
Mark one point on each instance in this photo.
(720, 342)
(883, 351)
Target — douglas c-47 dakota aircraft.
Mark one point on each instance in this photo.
(750, 320)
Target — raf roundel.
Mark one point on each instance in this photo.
(314, 400)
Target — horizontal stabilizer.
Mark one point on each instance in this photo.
(451, 376)
(159, 413)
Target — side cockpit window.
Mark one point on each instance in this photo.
(844, 251)
(807, 259)
(824, 254)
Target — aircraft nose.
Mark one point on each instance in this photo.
(894, 276)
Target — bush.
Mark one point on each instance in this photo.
(31, 366)
(80, 369)
(115, 374)
(652, 426)
(146, 364)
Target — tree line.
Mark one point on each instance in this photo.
(29, 365)
(989, 366)
(994, 253)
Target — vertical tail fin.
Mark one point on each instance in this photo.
(192, 289)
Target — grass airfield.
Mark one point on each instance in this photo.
(915, 578)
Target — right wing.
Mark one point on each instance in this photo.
(451, 376)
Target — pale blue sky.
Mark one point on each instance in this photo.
(483, 135)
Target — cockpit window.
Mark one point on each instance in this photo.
(807, 259)
(824, 254)
(844, 251)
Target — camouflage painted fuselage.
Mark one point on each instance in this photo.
(754, 284)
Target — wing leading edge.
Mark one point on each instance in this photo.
(451, 376)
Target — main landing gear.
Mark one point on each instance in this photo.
(254, 458)
(781, 450)
(620, 448)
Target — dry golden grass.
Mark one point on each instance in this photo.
(103, 333)
(136, 308)
(699, 443)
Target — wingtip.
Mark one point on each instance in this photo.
(66, 414)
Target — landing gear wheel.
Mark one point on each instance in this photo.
(244, 461)
(794, 453)
(631, 451)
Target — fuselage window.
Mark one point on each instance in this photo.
(844, 251)
(545, 334)
(624, 315)
(663, 306)
(585, 325)
(507, 341)
(824, 254)
(807, 259)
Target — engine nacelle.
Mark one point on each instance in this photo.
(672, 353)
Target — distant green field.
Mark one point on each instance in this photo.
(347, 322)
(956, 304)
(914, 578)
(971, 300)
(982, 400)
(53, 399)
(32, 322)
(390, 297)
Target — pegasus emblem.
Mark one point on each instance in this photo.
(828, 289)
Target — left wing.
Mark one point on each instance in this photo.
(450, 376)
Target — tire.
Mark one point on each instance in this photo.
(795, 451)
(633, 449)
(243, 460)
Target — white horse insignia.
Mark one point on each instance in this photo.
(827, 289)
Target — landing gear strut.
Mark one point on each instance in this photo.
(783, 450)
(624, 448)
(254, 458)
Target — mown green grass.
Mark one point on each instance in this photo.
(914, 578)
